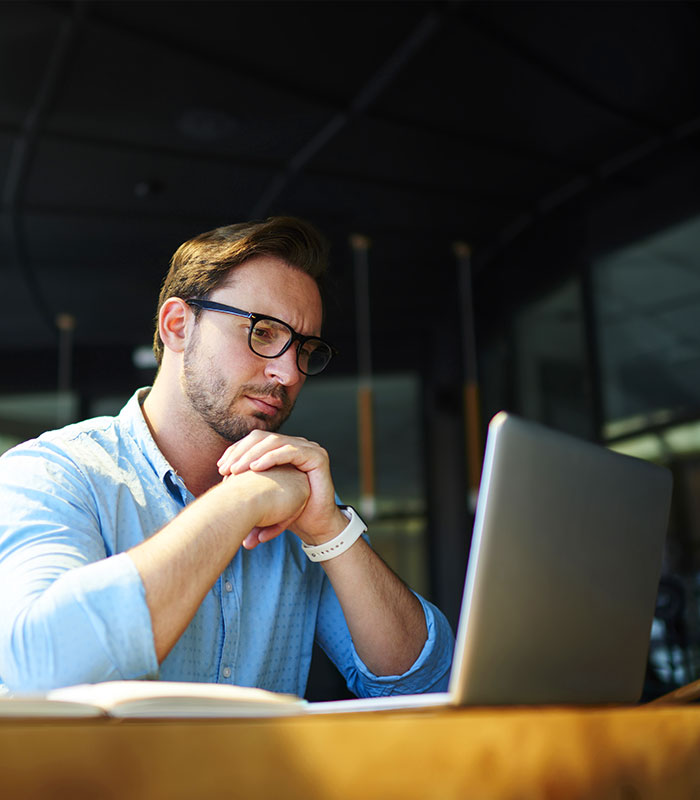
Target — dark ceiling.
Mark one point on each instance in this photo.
(538, 133)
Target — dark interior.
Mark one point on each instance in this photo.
(487, 154)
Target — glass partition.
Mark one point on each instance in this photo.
(551, 362)
(647, 304)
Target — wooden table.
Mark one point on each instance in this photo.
(620, 753)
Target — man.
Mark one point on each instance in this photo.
(185, 539)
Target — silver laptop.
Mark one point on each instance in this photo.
(562, 576)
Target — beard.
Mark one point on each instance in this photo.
(209, 396)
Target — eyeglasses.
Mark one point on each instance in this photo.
(269, 337)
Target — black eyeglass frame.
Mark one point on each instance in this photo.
(211, 305)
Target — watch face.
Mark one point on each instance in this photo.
(352, 514)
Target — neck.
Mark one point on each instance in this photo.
(187, 443)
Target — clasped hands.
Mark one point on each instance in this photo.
(299, 467)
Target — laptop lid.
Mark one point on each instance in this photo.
(563, 571)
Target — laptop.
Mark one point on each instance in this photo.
(562, 576)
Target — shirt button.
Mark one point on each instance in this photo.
(228, 586)
(226, 672)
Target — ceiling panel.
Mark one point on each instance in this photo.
(540, 133)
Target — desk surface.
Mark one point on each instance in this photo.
(625, 754)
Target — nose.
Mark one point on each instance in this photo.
(283, 369)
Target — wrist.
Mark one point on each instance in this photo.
(336, 524)
(351, 531)
(243, 495)
(258, 498)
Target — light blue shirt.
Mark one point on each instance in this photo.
(72, 604)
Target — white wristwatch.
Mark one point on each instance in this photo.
(345, 539)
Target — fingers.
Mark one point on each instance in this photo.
(252, 539)
(241, 455)
(260, 451)
(267, 534)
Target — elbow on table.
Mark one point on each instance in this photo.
(26, 664)
(34, 659)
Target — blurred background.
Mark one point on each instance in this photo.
(512, 195)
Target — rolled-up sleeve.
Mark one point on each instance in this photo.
(71, 611)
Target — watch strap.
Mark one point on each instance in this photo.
(345, 539)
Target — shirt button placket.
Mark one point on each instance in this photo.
(229, 605)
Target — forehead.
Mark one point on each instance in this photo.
(268, 285)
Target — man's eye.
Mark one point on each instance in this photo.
(263, 333)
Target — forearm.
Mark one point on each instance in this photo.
(385, 619)
(180, 563)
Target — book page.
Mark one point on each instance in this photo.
(172, 698)
(37, 705)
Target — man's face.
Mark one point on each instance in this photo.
(231, 388)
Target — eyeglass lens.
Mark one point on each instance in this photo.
(269, 338)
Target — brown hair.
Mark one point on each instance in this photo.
(203, 263)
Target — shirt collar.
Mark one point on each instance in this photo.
(133, 423)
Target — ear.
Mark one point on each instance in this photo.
(174, 320)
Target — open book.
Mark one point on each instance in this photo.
(154, 699)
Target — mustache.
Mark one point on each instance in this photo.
(276, 390)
